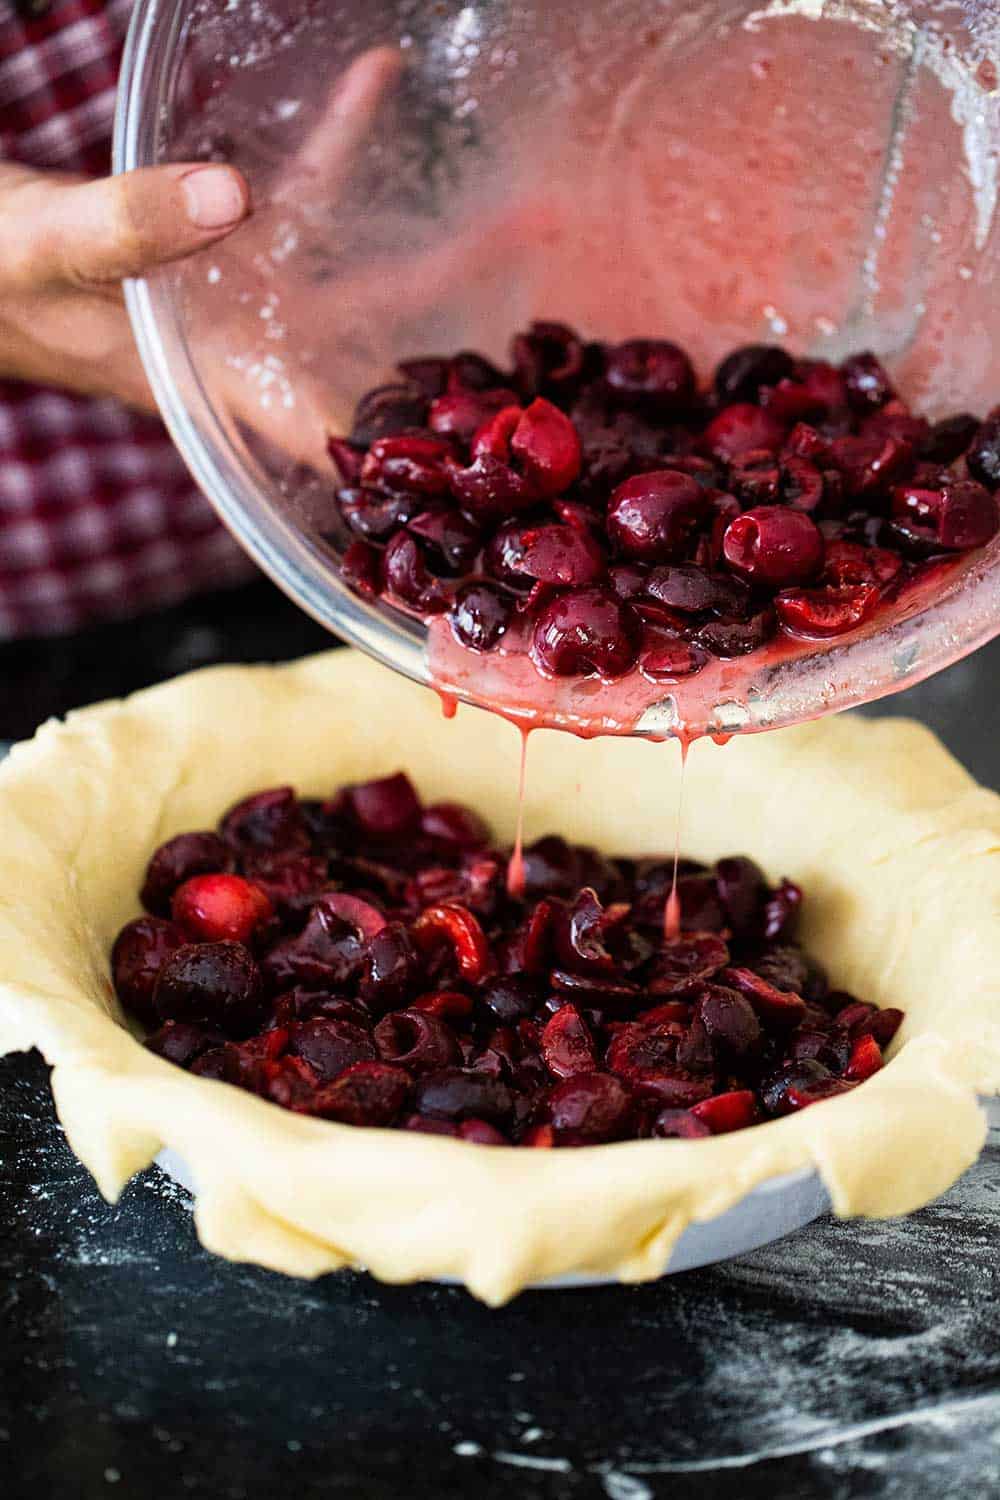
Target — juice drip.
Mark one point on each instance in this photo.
(515, 869)
(449, 704)
(672, 914)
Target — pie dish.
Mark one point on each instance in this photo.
(897, 846)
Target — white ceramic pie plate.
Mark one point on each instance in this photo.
(769, 1212)
(772, 1210)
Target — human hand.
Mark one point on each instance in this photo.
(65, 246)
(68, 243)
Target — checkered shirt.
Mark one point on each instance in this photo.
(98, 515)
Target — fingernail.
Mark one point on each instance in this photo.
(214, 197)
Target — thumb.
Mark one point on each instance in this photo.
(96, 232)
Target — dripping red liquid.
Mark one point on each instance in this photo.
(672, 914)
(515, 869)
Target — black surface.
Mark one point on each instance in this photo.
(849, 1360)
(45, 677)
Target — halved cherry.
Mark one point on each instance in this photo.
(447, 1005)
(413, 464)
(725, 1112)
(800, 1096)
(540, 440)
(957, 515)
(538, 936)
(456, 926)
(548, 447)
(854, 1017)
(677, 1012)
(791, 401)
(849, 563)
(884, 1024)
(866, 1059)
(460, 414)
(366, 1093)
(361, 568)
(822, 612)
(776, 1007)
(492, 440)
(679, 1124)
(348, 458)
(387, 808)
(697, 955)
(288, 1081)
(361, 915)
(567, 1044)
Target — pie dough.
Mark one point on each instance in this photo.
(898, 850)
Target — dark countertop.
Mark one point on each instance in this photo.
(850, 1360)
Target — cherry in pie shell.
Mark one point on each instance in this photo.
(896, 846)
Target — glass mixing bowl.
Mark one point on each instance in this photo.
(429, 175)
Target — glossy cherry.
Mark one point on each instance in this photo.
(365, 1093)
(413, 465)
(773, 545)
(562, 556)
(178, 860)
(140, 951)
(652, 517)
(266, 822)
(598, 467)
(588, 1109)
(330, 1046)
(549, 359)
(866, 383)
(479, 616)
(822, 612)
(651, 374)
(567, 1045)
(457, 928)
(416, 1040)
(743, 374)
(959, 515)
(216, 908)
(460, 414)
(739, 428)
(546, 444)
(395, 982)
(217, 984)
(584, 631)
(725, 1112)
(983, 456)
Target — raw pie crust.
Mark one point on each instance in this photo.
(897, 848)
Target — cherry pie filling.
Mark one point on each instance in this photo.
(362, 960)
(595, 507)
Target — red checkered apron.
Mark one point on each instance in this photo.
(98, 516)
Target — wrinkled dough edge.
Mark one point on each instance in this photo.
(897, 847)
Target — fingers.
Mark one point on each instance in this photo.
(95, 233)
(327, 156)
(74, 341)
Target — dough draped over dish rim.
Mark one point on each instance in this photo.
(896, 846)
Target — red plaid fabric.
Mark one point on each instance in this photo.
(98, 515)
